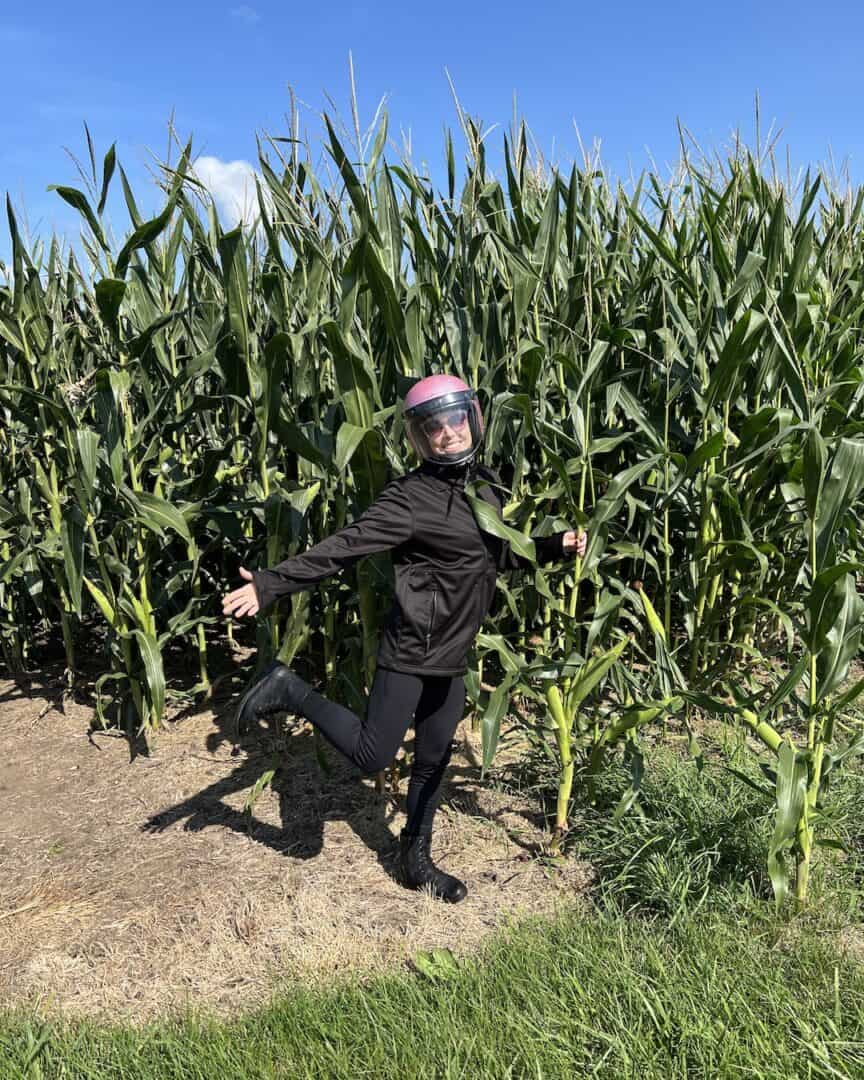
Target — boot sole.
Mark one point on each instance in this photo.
(440, 896)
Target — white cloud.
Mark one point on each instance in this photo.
(245, 13)
(232, 185)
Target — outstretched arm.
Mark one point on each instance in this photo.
(387, 523)
(548, 549)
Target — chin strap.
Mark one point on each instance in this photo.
(465, 470)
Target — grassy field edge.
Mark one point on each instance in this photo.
(600, 994)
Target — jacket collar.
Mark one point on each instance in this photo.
(456, 476)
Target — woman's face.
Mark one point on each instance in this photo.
(448, 431)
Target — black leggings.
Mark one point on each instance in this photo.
(435, 702)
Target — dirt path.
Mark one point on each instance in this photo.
(135, 888)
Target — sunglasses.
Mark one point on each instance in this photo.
(455, 419)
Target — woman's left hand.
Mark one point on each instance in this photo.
(575, 542)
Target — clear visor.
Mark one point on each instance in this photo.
(449, 435)
(453, 421)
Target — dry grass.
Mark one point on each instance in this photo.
(140, 887)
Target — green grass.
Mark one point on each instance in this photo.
(681, 969)
(699, 837)
(605, 996)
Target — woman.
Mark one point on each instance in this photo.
(445, 572)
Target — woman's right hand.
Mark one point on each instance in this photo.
(242, 601)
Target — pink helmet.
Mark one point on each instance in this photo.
(438, 402)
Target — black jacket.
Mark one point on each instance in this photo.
(445, 567)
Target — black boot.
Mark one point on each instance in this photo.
(278, 690)
(418, 869)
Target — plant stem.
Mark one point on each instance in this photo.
(816, 747)
(565, 784)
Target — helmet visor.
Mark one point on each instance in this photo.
(449, 433)
(452, 420)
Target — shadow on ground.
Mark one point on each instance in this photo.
(303, 763)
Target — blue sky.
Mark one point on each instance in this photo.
(622, 72)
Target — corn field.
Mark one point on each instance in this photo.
(676, 366)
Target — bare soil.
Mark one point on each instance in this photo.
(135, 888)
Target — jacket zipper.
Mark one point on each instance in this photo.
(431, 619)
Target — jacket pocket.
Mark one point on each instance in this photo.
(431, 624)
(414, 600)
